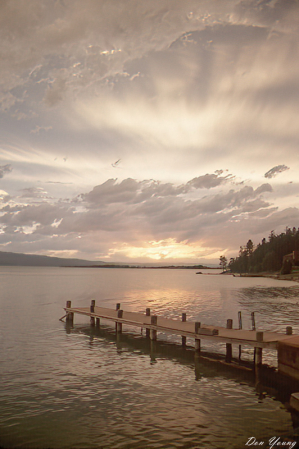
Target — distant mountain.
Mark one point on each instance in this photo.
(31, 260)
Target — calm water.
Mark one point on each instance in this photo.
(82, 388)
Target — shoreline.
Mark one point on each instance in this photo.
(281, 277)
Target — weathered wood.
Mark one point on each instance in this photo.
(119, 326)
(240, 327)
(294, 401)
(259, 336)
(229, 351)
(153, 332)
(258, 360)
(240, 320)
(147, 330)
(197, 340)
(177, 327)
(92, 318)
(288, 357)
(211, 332)
(258, 356)
(69, 315)
(184, 339)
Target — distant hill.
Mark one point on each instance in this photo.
(31, 260)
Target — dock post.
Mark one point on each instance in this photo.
(153, 332)
(98, 323)
(259, 351)
(147, 313)
(197, 340)
(69, 315)
(229, 351)
(289, 330)
(117, 306)
(119, 326)
(92, 319)
(253, 321)
(240, 327)
(184, 319)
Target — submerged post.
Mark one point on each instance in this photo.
(153, 332)
(259, 351)
(197, 340)
(184, 319)
(92, 319)
(69, 315)
(147, 330)
(229, 351)
(119, 326)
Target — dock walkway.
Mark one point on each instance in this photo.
(195, 330)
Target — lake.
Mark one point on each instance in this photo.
(80, 387)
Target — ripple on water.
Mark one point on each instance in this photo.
(86, 390)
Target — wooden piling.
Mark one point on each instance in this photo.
(153, 332)
(229, 336)
(119, 326)
(147, 313)
(69, 315)
(253, 321)
(184, 319)
(197, 340)
(240, 327)
(117, 306)
(98, 322)
(259, 351)
(229, 351)
(92, 319)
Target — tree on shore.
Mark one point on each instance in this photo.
(223, 262)
(267, 255)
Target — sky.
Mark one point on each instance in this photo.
(137, 131)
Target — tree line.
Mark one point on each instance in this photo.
(266, 256)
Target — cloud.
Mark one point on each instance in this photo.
(121, 218)
(33, 192)
(4, 169)
(37, 129)
(276, 170)
(55, 92)
(174, 92)
(209, 181)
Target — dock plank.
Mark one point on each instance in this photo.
(187, 328)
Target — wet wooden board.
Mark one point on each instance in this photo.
(187, 329)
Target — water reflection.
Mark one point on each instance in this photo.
(275, 308)
(226, 389)
(79, 387)
(204, 364)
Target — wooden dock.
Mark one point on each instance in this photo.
(194, 330)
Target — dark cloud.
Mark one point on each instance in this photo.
(209, 181)
(4, 169)
(133, 191)
(263, 188)
(276, 170)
